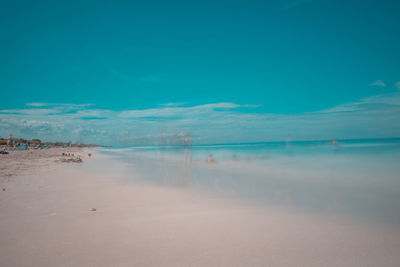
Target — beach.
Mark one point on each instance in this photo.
(90, 214)
(200, 133)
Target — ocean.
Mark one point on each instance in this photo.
(355, 179)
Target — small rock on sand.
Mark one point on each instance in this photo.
(93, 209)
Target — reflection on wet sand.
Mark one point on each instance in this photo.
(339, 182)
(183, 176)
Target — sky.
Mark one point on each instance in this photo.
(134, 72)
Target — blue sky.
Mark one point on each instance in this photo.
(223, 71)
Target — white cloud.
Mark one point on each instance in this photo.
(342, 108)
(174, 111)
(374, 116)
(378, 83)
(36, 104)
(374, 103)
(173, 104)
(58, 105)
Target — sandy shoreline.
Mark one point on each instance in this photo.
(31, 161)
(46, 220)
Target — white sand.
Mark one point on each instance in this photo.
(45, 220)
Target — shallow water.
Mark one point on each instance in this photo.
(355, 178)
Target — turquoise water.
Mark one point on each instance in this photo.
(353, 178)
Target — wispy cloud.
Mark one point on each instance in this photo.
(114, 71)
(36, 104)
(179, 112)
(173, 104)
(131, 78)
(58, 105)
(374, 103)
(378, 83)
(374, 116)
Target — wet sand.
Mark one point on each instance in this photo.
(46, 219)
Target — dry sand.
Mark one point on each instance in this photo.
(46, 219)
(31, 161)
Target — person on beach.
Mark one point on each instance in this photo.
(10, 141)
(209, 159)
